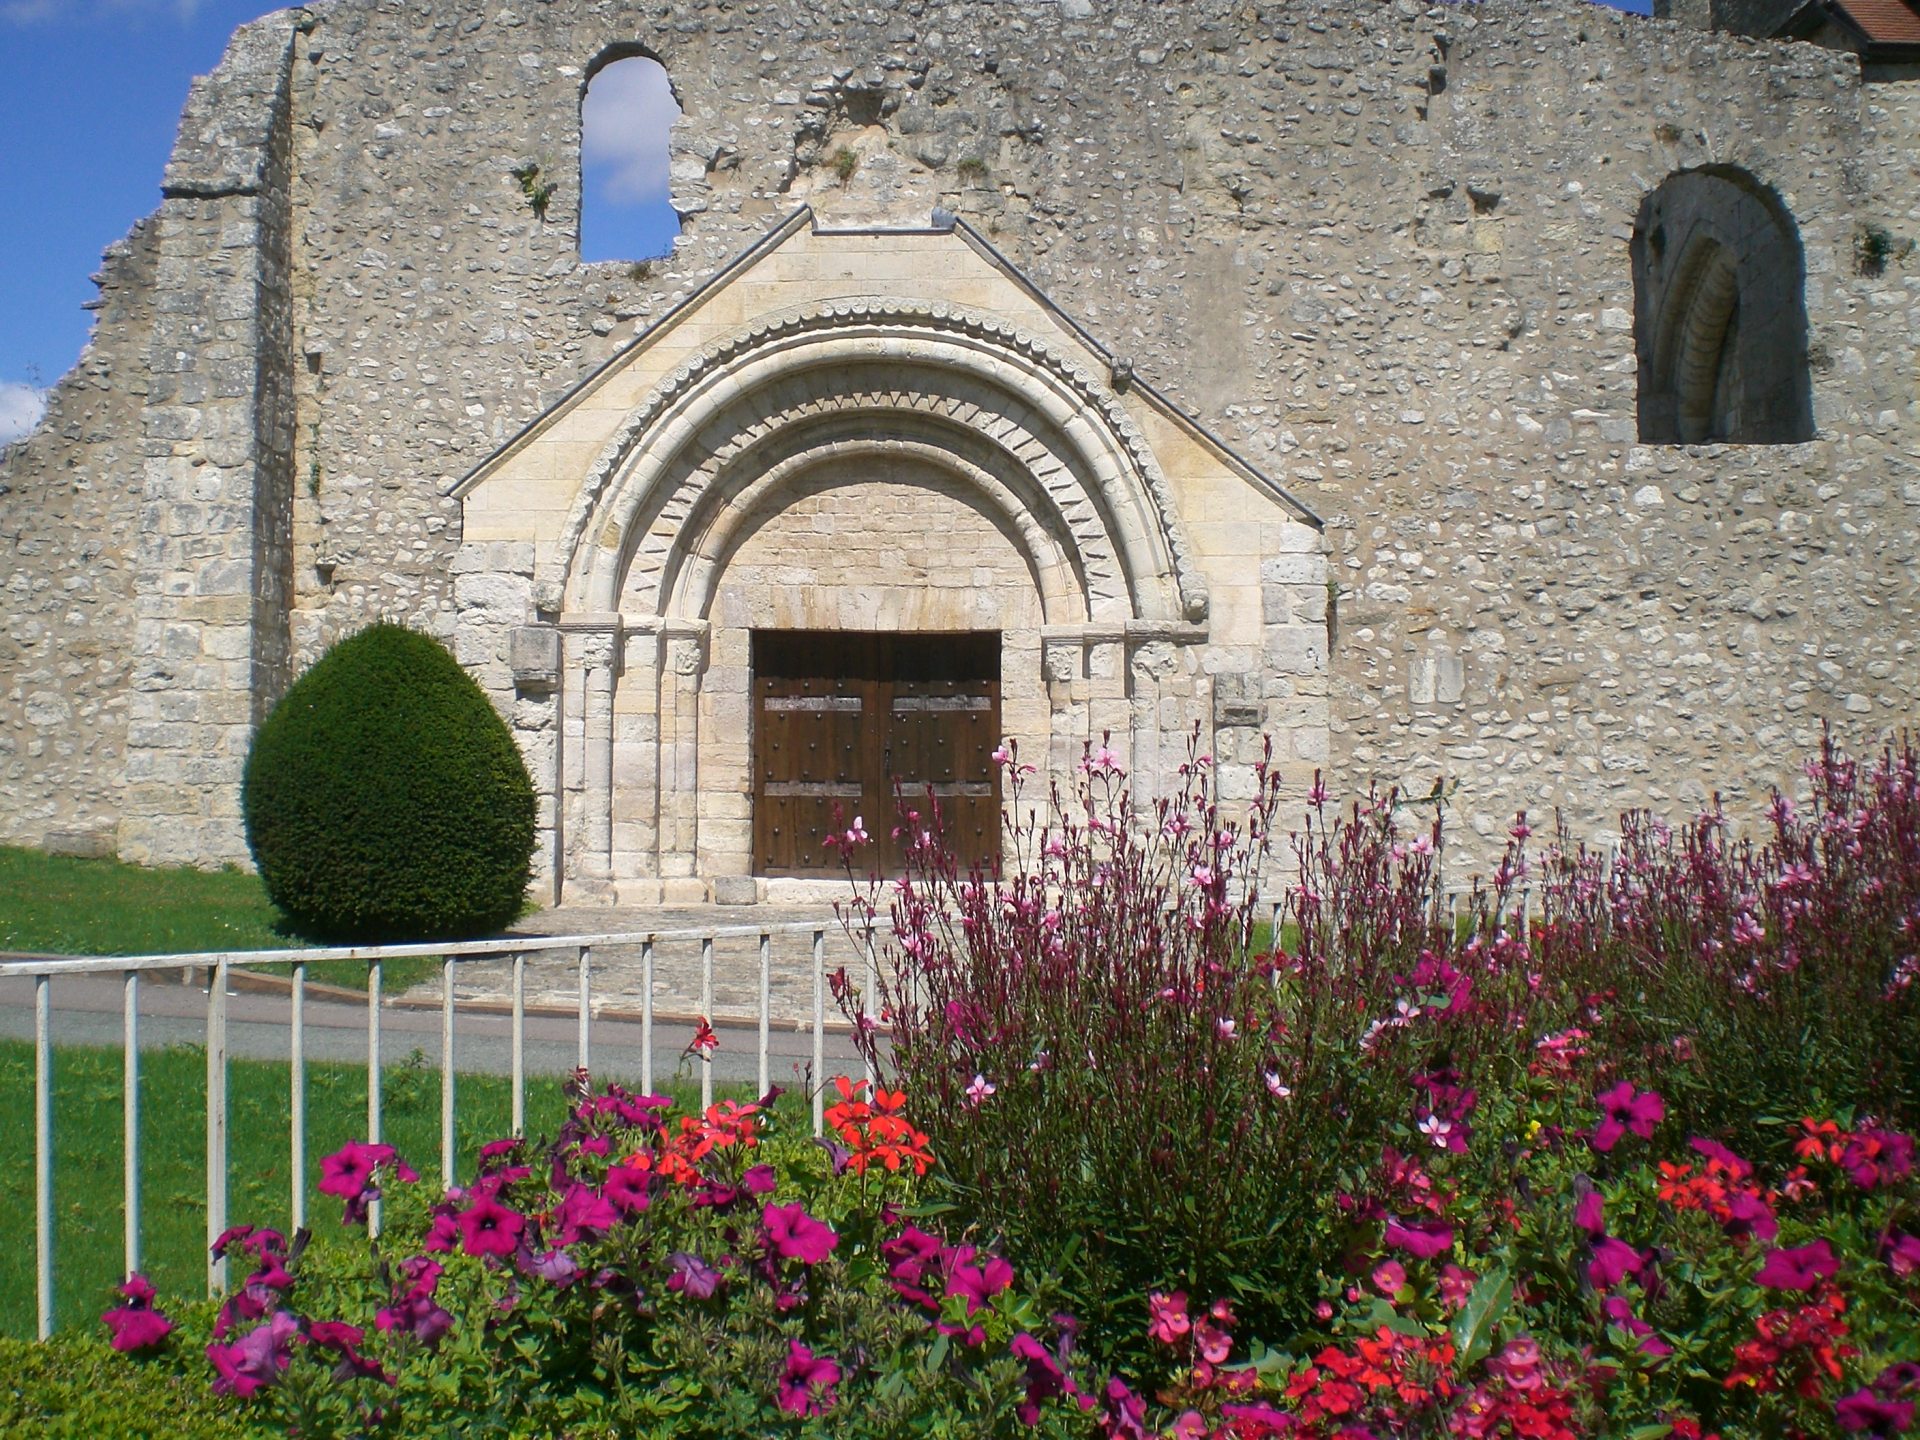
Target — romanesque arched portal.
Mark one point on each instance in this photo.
(890, 484)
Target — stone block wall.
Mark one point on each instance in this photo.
(1381, 248)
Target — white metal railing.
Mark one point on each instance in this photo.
(46, 969)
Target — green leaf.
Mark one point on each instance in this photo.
(1473, 1326)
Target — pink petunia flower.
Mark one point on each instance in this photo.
(628, 1188)
(1591, 1213)
(582, 1213)
(136, 1325)
(806, 1386)
(257, 1359)
(1623, 1111)
(796, 1235)
(1800, 1268)
(1613, 1261)
(489, 1228)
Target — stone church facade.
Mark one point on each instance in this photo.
(1520, 392)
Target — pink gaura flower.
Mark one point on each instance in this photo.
(1800, 1268)
(489, 1228)
(796, 1235)
(1624, 1110)
(806, 1386)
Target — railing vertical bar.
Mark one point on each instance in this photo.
(706, 1014)
(646, 1016)
(216, 1123)
(819, 1031)
(519, 1042)
(586, 1007)
(376, 979)
(130, 1120)
(766, 1011)
(297, 1085)
(447, 1141)
(43, 1150)
(866, 1006)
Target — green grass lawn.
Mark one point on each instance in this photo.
(55, 905)
(88, 1157)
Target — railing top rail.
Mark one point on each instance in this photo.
(457, 949)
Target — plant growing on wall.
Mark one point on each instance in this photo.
(385, 800)
(538, 190)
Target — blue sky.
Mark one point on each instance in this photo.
(90, 94)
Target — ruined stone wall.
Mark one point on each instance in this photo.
(1383, 249)
(69, 517)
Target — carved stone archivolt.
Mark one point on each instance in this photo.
(1043, 441)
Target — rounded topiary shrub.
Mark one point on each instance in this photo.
(385, 800)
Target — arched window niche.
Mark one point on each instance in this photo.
(1720, 314)
(627, 112)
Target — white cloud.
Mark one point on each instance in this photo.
(628, 111)
(21, 407)
(34, 12)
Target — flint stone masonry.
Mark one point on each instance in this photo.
(1383, 252)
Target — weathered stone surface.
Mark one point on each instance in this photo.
(1383, 250)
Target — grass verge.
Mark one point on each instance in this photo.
(88, 1158)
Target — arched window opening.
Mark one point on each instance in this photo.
(626, 210)
(1720, 316)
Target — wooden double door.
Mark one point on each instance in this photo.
(844, 720)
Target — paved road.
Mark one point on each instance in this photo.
(88, 1009)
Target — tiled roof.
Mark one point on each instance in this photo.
(1884, 22)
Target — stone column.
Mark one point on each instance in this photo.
(599, 662)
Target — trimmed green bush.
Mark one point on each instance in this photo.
(385, 800)
(74, 1388)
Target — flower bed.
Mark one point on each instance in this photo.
(1645, 1169)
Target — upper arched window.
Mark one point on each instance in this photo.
(626, 211)
(1720, 315)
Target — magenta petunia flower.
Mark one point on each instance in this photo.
(556, 1267)
(628, 1189)
(806, 1386)
(1613, 1261)
(419, 1315)
(1423, 1241)
(1877, 1158)
(1045, 1379)
(345, 1340)
(1736, 1168)
(136, 1325)
(979, 1283)
(1591, 1214)
(489, 1228)
(796, 1235)
(759, 1180)
(1623, 1110)
(692, 1276)
(1750, 1217)
(257, 1359)
(1801, 1268)
(1902, 1254)
(582, 1213)
(1865, 1413)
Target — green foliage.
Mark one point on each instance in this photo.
(539, 191)
(385, 800)
(74, 1388)
(844, 163)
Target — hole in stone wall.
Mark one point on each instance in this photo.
(626, 210)
(1720, 318)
